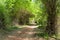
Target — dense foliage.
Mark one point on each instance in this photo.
(11, 10)
(23, 11)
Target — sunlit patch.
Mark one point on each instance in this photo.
(11, 36)
(41, 39)
(18, 31)
(30, 32)
(32, 26)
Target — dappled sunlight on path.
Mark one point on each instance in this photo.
(26, 33)
(19, 38)
(29, 26)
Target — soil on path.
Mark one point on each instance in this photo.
(25, 33)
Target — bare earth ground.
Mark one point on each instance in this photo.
(26, 33)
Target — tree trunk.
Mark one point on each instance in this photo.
(2, 25)
(51, 20)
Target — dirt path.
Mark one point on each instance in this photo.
(26, 33)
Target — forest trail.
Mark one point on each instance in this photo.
(26, 33)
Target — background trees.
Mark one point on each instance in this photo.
(21, 11)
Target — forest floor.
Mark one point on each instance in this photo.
(25, 33)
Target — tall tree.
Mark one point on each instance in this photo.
(51, 8)
(51, 19)
(2, 11)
